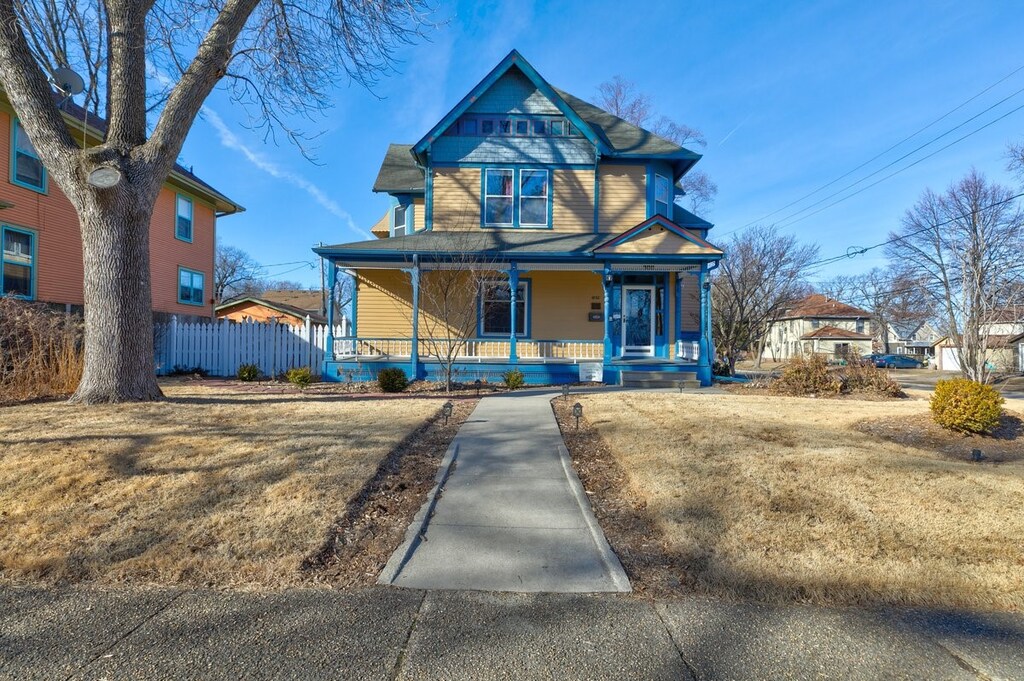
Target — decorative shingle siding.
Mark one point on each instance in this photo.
(514, 93)
(505, 149)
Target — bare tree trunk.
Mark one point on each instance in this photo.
(119, 363)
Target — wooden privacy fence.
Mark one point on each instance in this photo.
(220, 347)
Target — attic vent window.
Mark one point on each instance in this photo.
(475, 125)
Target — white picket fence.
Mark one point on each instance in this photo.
(221, 347)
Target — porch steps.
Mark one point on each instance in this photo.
(660, 379)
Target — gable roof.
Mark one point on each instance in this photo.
(293, 302)
(179, 175)
(399, 172)
(834, 333)
(655, 222)
(512, 60)
(819, 305)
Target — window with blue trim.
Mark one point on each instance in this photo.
(190, 286)
(496, 308)
(18, 259)
(183, 222)
(516, 198)
(401, 219)
(26, 168)
(662, 196)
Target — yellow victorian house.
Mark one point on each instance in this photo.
(530, 229)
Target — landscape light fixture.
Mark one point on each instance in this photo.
(577, 411)
(565, 391)
(446, 409)
(976, 455)
(477, 384)
(104, 177)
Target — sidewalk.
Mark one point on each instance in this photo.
(509, 513)
(386, 633)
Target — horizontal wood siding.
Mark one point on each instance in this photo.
(58, 267)
(573, 209)
(384, 304)
(419, 218)
(456, 197)
(657, 240)
(561, 303)
(623, 197)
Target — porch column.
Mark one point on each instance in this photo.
(329, 349)
(414, 352)
(704, 358)
(513, 284)
(677, 328)
(607, 284)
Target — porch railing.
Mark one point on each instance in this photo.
(688, 350)
(472, 349)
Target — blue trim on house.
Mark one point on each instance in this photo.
(355, 305)
(527, 322)
(33, 266)
(193, 273)
(428, 195)
(191, 219)
(647, 224)
(503, 164)
(15, 125)
(512, 59)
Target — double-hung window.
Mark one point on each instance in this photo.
(190, 286)
(18, 259)
(26, 168)
(533, 198)
(662, 196)
(183, 222)
(516, 198)
(401, 219)
(499, 198)
(496, 308)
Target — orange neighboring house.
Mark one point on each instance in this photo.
(284, 306)
(42, 245)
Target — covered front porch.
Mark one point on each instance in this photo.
(559, 317)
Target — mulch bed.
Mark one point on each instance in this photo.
(416, 389)
(654, 571)
(1006, 443)
(373, 525)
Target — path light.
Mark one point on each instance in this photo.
(976, 455)
(565, 391)
(577, 411)
(477, 383)
(446, 409)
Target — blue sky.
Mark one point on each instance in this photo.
(790, 96)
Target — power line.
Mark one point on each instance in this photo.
(894, 173)
(894, 146)
(854, 251)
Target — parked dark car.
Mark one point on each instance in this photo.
(898, 362)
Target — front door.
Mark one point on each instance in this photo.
(638, 320)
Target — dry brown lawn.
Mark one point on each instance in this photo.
(211, 487)
(783, 499)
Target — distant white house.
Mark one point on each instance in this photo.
(818, 324)
(916, 339)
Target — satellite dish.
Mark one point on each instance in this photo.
(68, 82)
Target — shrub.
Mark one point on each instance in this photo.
(392, 380)
(181, 370)
(808, 376)
(860, 377)
(41, 351)
(966, 406)
(300, 377)
(248, 372)
(513, 379)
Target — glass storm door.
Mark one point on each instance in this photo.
(638, 320)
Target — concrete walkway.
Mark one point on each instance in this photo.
(383, 633)
(508, 513)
